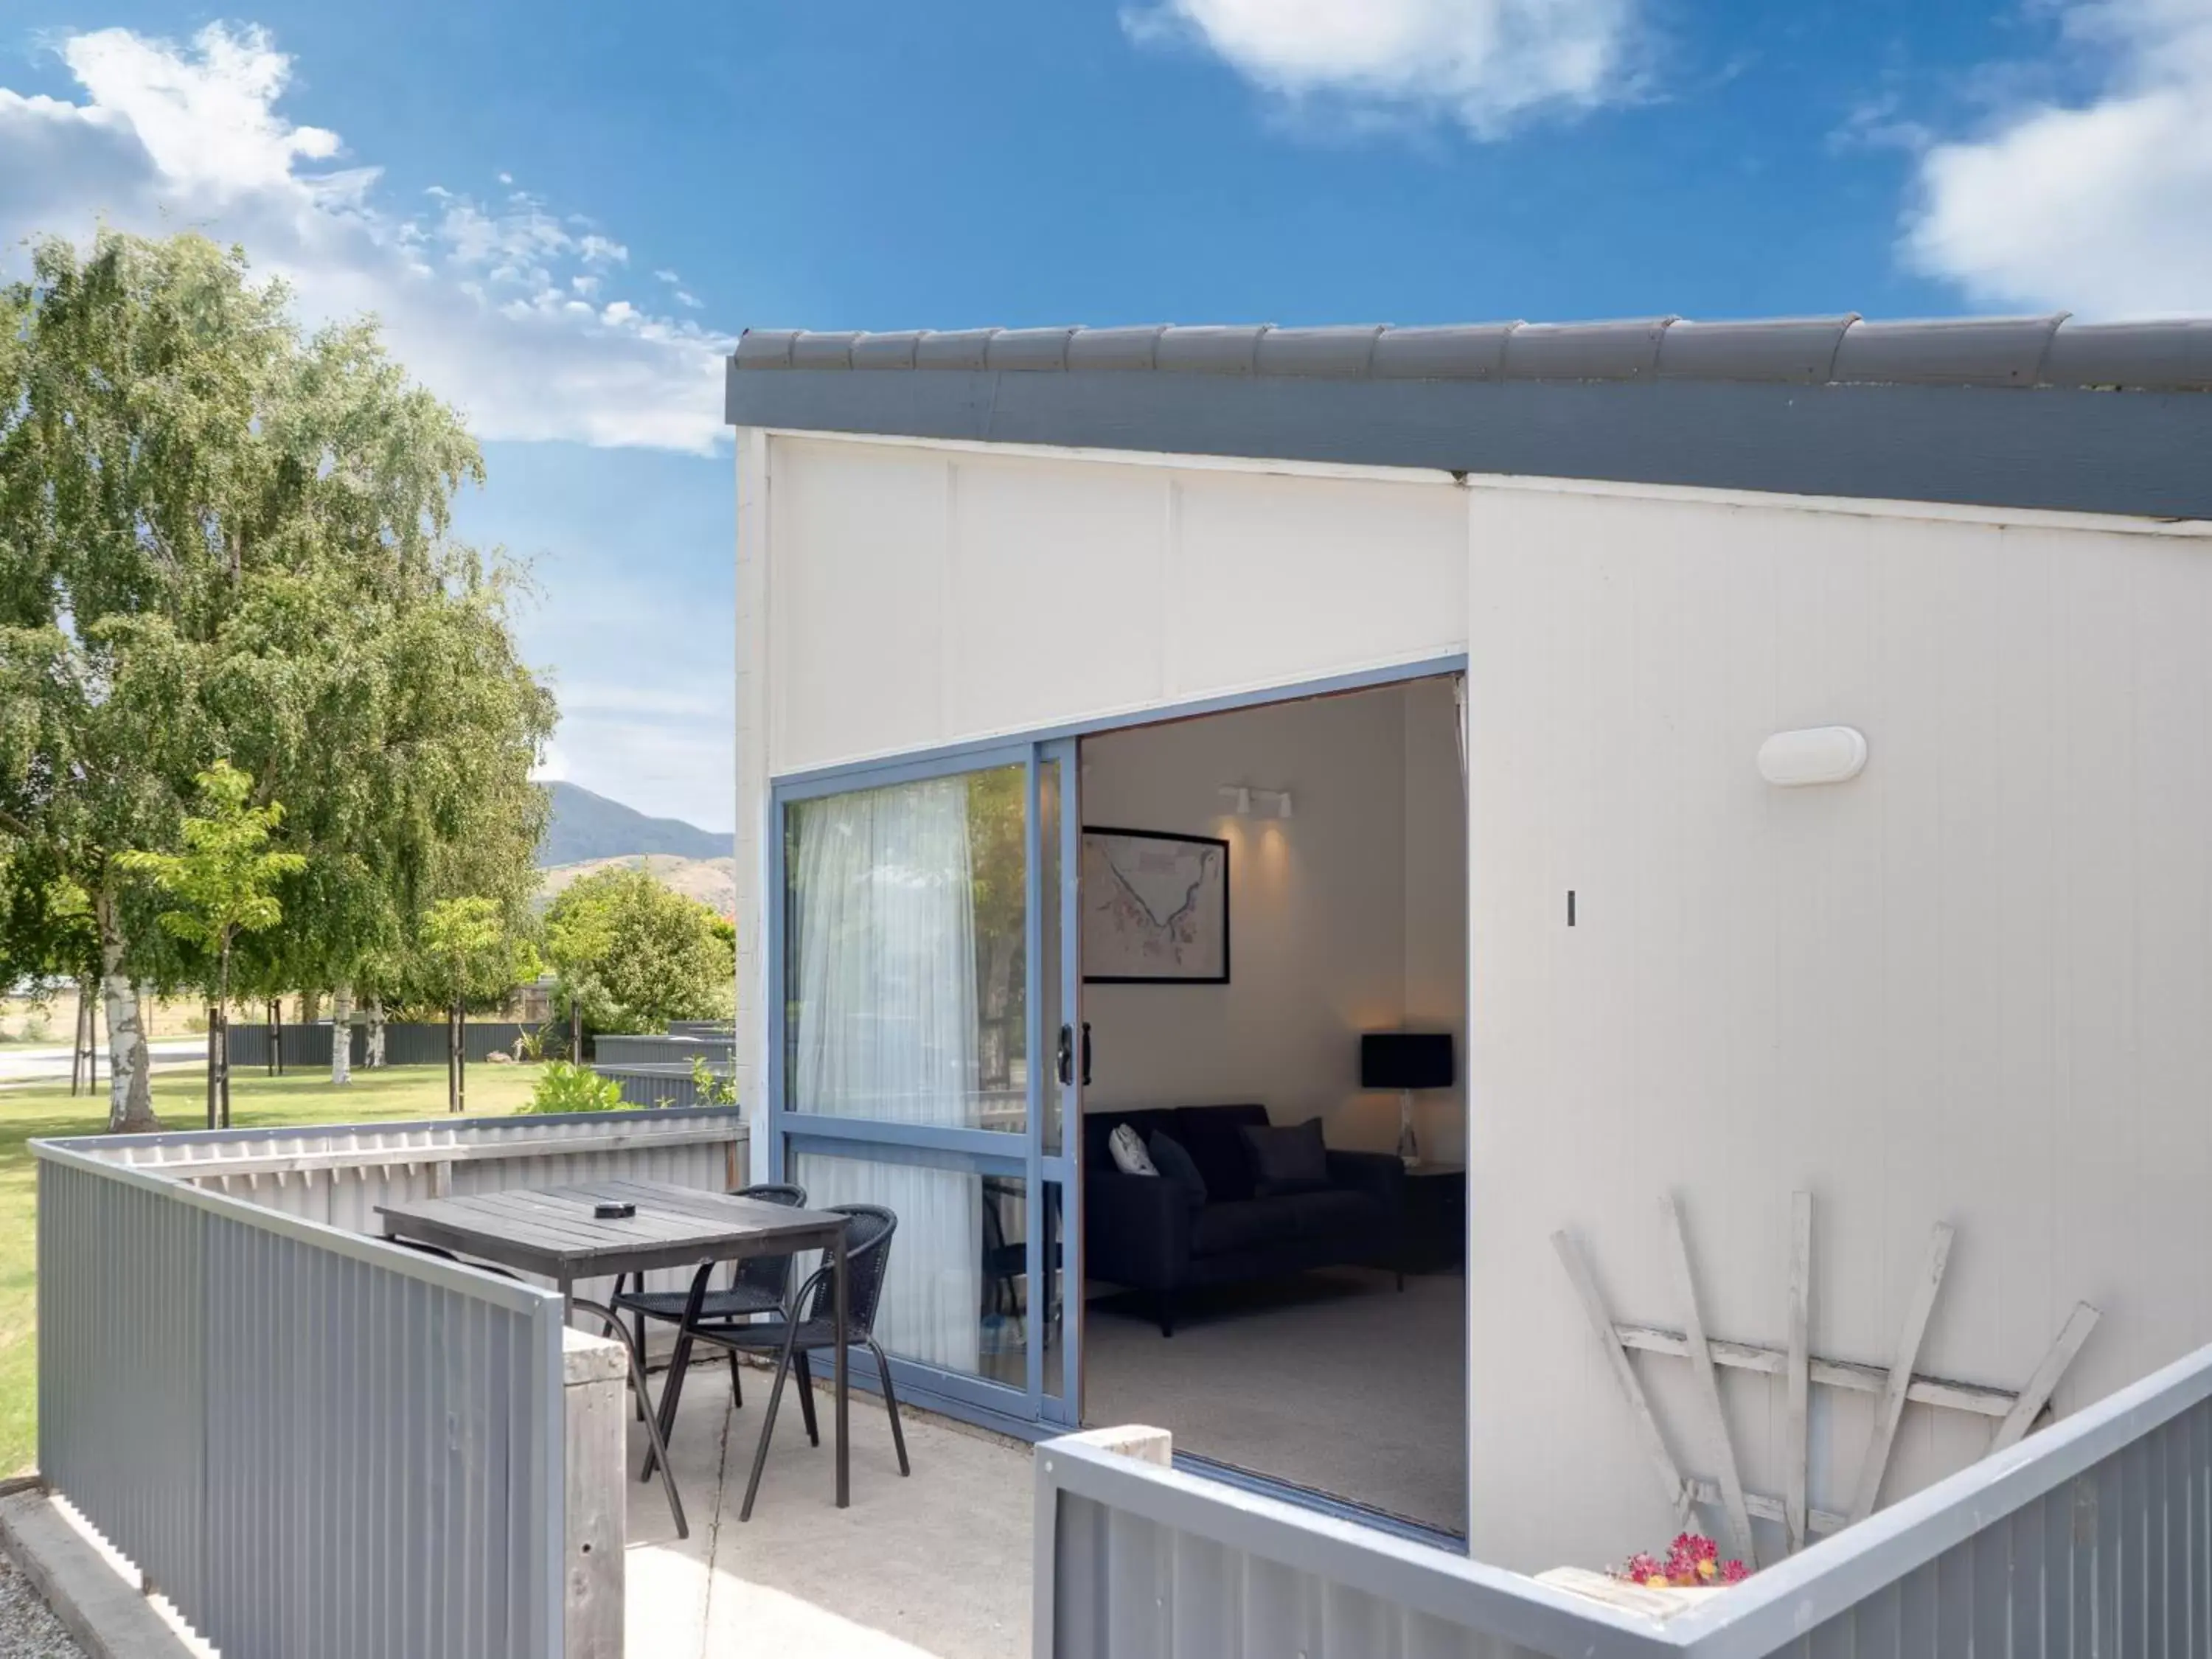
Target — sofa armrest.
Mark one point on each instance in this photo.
(1136, 1230)
(1380, 1174)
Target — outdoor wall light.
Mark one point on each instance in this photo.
(1819, 754)
(1249, 803)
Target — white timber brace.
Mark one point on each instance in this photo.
(1894, 1385)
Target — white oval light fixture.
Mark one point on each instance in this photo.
(1819, 754)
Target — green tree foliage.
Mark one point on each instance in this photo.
(470, 952)
(224, 882)
(634, 954)
(221, 537)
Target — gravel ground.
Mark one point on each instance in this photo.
(28, 1629)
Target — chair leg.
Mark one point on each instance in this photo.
(768, 1427)
(658, 1454)
(890, 1404)
(737, 1381)
(1166, 1310)
(638, 1327)
(805, 1379)
(671, 1391)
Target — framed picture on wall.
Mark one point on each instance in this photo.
(1155, 908)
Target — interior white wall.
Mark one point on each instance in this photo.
(993, 593)
(1969, 985)
(1331, 933)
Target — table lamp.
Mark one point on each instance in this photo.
(1406, 1061)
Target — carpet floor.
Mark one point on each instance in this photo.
(1330, 1379)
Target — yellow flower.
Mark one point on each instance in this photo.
(1708, 1569)
(1656, 1580)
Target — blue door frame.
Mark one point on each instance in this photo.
(1029, 1411)
(1043, 1157)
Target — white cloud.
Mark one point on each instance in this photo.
(478, 299)
(1484, 64)
(2103, 206)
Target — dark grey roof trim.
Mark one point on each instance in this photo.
(2019, 351)
(2000, 412)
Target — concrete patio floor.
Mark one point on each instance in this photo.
(935, 1564)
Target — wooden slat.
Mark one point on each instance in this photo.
(1768, 1508)
(2044, 1381)
(1709, 1385)
(1850, 1374)
(1677, 1491)
(1921, 1303)
(1795, 1451)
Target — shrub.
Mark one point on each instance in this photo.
(710, 1090)
(566, 1088)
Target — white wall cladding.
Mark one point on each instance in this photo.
(999, 593)
(1969, 985)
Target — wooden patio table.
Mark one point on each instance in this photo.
(552, 1233)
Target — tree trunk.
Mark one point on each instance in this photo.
(129, 1093)
(453, 1056)
(311, 1006)
(276, 1038)
(342, 1034)
(222, 1032)
(81, 1035)
(372, 1057)
(575, 1033)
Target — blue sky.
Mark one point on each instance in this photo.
(563, 218)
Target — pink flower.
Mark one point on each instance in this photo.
(1734, 1572)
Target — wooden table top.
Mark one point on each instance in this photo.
(552, 1231)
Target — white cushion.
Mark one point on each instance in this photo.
(1130, 1156)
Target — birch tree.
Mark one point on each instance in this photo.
(219, 536)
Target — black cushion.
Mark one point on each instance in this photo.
(1213, 1136)
(1251, 1224)
(1175, 1165)
(1289, 1159)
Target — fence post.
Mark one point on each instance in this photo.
(594, 1376)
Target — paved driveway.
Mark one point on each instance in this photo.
(52, 1065)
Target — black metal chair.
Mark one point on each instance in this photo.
(813, 1325)
(760, 1285)
(657, 1456)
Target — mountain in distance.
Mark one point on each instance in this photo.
(713, 881)
(584, 826)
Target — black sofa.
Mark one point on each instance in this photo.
(1142, 1232)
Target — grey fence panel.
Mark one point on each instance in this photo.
(2090, 1540)
(121, 1376)
(703, 1028)
(412, 1043)
(650, 1048)
(312, 1443)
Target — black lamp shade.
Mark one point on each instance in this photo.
(1406, 1059)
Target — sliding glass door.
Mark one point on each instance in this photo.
(930, 1054)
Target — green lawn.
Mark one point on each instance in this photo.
(257, 1101)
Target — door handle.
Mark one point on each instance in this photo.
(1086, 1054)
(1064, 1068)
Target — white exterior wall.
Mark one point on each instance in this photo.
(1969, 985)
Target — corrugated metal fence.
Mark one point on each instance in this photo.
(310, 1442)
(315, 1444)
(2091, 1537)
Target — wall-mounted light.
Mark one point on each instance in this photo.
(1249, 803)
(1818, 754)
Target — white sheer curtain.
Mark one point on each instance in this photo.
(881, 909)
